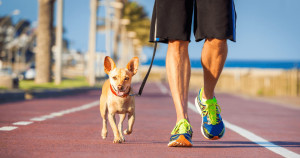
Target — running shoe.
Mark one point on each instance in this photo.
(181, 135)
(212, 125)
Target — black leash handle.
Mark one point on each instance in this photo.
(146, 77)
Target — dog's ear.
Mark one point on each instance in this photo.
(109, 64)
(133, 65)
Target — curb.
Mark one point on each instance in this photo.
(9, 96)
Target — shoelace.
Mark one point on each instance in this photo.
(181, 127)
(211, 111)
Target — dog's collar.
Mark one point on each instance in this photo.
(114, 92)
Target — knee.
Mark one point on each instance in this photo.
(216, 42)
(178, 48)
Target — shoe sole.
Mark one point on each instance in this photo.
(200, 111)
(181, 141)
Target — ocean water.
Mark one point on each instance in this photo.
(239, 64)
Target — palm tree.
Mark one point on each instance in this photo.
(44, 41)
(117, 28)
(139, 22)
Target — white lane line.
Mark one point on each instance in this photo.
(8, 128)
(52, 115)
(162, 88)
(252, 137)
(261, 141)
(64, 112)
(22, 123)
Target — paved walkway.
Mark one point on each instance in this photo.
(70, 126)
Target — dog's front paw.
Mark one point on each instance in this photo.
(127, 132)
(117, 140)
(123, 139)
(104, 134)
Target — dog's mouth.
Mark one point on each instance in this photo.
(120, 93)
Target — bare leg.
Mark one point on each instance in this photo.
(214, 54)
(179, 72)
(120, 126)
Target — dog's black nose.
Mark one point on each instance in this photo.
(120, 87)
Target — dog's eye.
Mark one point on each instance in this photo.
(115, 78)
(127, 78)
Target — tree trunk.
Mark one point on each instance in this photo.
(92, 42)
(44, 41)
(117, 29)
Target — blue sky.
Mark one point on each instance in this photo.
(266, 29)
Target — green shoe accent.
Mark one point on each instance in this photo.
(182, 126)
(211, 108)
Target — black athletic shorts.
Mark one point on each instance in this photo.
(172, 20)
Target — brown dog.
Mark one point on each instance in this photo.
(115, 98)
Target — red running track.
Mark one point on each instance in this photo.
(78, 134)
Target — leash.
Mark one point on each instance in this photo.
(146, 77)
